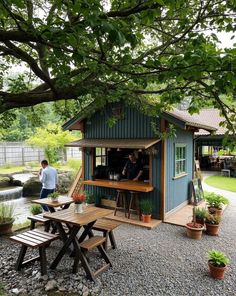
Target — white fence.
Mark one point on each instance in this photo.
(20, 153)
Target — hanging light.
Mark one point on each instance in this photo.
(108, 149)
(118, 149)
(140, 150)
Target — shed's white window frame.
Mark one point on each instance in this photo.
(180, 165)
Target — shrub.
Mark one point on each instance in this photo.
(215, 200)
(53, 195)
(218, 258)
(146, 206)
(213, 219)
(200, 213)
(90, 197)
(74, 164)
(6, 212)
(35, 209)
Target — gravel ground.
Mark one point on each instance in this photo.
(156, 262)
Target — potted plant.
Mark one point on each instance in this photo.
(212, 224)
(90, 197)
(217, 264)
(215, 202)
(79, 198)
(35, 209)
(6, 218)
(194, 229)
(54, 196)
(200, 215)
(146, 210)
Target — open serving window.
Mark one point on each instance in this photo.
(109, 156)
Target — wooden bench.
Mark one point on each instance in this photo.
(88, 245)
(39, 219)
(34, 239)
(107, 226)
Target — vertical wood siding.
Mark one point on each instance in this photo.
(134, 125)
(177, 191)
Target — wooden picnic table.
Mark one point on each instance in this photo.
(130, 185)
(76, 220)
(63, 202)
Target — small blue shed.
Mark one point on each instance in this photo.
(168, 163)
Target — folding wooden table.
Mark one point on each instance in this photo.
(77, 220)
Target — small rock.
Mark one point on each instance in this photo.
(34, 272)
(44, 277)
(51, 285)
(15, 291)
(62, 289)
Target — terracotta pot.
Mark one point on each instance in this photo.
(146, 218)
(216, 211)
(216, 272)
(6, 228)
(194, 231)
(212, 229)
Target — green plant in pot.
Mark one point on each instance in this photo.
(194, 229)
(200, 215)
(6, 218)
(146, 210)
(36, 209)
(212, 222)
(90, 197)
(54, 196)
(217, 262)
(215, 202)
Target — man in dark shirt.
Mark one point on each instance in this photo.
(133, 168)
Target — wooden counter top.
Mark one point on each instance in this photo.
(125, 185)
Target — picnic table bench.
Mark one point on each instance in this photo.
(34, 239)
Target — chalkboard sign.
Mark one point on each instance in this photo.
(197, 191)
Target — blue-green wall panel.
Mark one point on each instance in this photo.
(177, 190)
(133, 125)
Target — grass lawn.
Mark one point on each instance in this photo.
(19, 169)
(221, 182)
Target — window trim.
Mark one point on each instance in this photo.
(182, 173)
(105, 154)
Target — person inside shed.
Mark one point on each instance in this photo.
(133, 168)
(49, 180)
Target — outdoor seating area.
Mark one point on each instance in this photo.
(54, 222)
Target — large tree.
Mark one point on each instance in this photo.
(161, 50)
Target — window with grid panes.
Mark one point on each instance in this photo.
(101, 157)
(180, 159)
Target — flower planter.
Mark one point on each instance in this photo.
(215, 211)
(216, 272)
(54, 199)
(212, 229)
(6, 228)
(79, 208)
(146, 218)
(194, 231)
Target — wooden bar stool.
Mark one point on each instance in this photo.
(120, 201)
(134, 204)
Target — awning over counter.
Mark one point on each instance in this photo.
(115, 143)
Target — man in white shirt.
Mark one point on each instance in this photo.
(48, 178)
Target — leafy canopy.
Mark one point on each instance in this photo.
(163, 51)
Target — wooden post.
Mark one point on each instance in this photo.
(163, 171)
(23, 155)
(5, 153)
